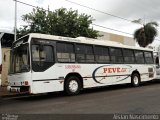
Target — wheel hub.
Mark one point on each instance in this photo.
(136, 80)
(73, 86)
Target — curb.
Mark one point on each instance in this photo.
(13, 96)
(10, 95)
(4, 93)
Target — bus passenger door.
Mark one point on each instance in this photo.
(43, 74)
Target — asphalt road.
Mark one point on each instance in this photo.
(113, 99)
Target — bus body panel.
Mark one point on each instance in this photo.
(46, 86)
(50, 80)
(20, 80)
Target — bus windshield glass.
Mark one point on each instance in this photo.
(20, 59)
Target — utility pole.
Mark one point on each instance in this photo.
(15, 20)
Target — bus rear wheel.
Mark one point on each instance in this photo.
(135, 80)
(72, 85)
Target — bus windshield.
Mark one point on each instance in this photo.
(19, 59)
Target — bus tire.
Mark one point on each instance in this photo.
(135, 79)
(72, 85)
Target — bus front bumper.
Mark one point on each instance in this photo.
(18, 89)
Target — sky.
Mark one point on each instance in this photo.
(148, 10)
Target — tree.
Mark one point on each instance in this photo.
(60, 22)
(146, 34)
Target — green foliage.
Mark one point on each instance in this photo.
(60, 22)
(146, 34)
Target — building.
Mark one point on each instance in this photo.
(117, 38)
(6, 42)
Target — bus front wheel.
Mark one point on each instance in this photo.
(135, 79)
(72, 85)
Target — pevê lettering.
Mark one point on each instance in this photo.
(114, 70)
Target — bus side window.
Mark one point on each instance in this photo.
(89, 53)
(42, 58)
(65, 52)
(128, 56)
(148, 57)
(84, 53)
(80, 53)
(102, 54)
(139, 57)
(116, 55)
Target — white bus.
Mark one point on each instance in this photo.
(46, 63)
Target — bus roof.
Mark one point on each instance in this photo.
(86, 41)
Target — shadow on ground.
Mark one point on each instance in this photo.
(57, 95)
